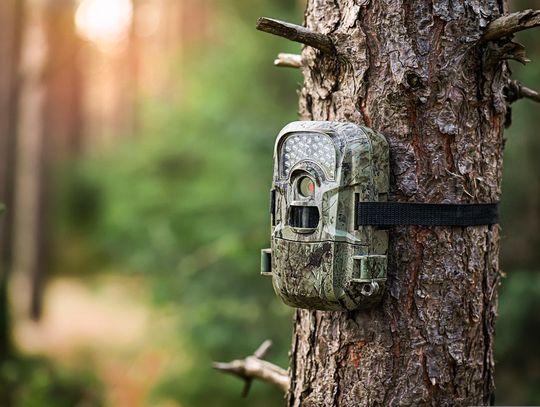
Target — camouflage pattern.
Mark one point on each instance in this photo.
(335, 265)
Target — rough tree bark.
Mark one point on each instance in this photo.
(415, 71)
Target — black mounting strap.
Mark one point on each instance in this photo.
(425, 214)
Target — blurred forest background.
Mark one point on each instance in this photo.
(135, 161)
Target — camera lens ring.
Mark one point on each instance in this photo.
(306, 186)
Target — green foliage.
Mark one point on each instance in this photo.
(187, 205)
(518, 326)
(521, 180)
(35, 382)
(517, 338)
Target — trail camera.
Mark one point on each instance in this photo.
(320, 257)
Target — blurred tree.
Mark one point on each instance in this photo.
(10, 14)
(25, 382)
(62, 75)
(49, 128)
(61, 131)
(28, 247)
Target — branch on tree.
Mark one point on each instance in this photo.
(496, 52)
(296, 33)
(511, 23)
(288, 60)
(517, 91)
(253, 367)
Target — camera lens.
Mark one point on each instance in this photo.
(306, 187)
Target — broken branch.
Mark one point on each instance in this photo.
(529, 94)
(253, 367)
(263, 349)
(517, 91)
(511, 23)
(288, 60)
(296, 33)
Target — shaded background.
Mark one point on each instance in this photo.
(135, 162)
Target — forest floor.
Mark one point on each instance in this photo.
(109, 324)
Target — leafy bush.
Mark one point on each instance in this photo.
(36, 382)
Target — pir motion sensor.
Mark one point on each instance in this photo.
(330, 218)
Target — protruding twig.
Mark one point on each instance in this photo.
(296, 33)
(511, 23)
(263, 349)
(288, 60)
(496, 52)
(253, 367)
(529, 94)
(517, 91)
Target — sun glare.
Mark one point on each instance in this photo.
(104, 22)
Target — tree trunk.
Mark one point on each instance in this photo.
(415, 71)
(63, 106)
(10, 16)
(30, 147)
(58, 136)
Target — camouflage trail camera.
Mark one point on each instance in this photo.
(330, 216)
(320, 257)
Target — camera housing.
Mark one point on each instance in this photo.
(320, 258)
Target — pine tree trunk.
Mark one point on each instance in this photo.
(10, 16)
(30, 148)
(415, 71)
